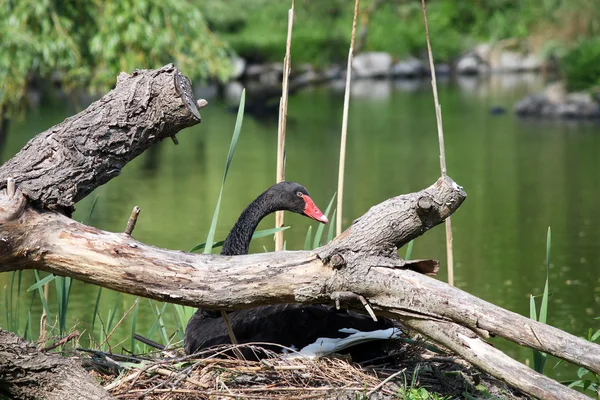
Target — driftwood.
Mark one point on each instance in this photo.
(26, 373)
(362, 261)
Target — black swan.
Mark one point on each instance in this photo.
(312, 330)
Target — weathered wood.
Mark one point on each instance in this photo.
(26, 373)
(55, 243)
(64, 164)
(491, 360)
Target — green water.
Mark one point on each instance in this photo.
(521, 176)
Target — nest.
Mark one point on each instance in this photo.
(214, 375)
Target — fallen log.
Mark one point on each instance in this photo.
(362, 261)
(26, 373)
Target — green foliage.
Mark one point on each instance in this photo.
(398, 28)
(36, 40)
(412, 391)
(588, 381)
(89, 43)
(236, 134)
(257, 30)
(409, 248)
(580, 64)
(12, 303)
(145, 33)
(321, 33)
(321, 227)
(539, 358)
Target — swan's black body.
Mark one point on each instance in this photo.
(290, 325)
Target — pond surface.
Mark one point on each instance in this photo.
(521, 176)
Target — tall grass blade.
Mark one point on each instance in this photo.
(331, 229)
(539, 358)
(28, 330)
(158, 315)
(92, 208)
(59, 300)
(134, 324)
(41, 282)
(595, 336)
(2, 91)
(41, 292)
(283, 106)
(9, 303)
(182, 315)
(344, 135)
(66, 292)
(236, 134)
(532, 308)
(7, 308)
(112, 317)
(544, 306)
(18, 313)
(256, 235)
(28, 335)
(104, 331)
(321, 228)
(96, 309)
(440, 129)
(409, 248)
(308, 238)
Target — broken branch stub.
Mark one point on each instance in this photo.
(64, 164)
(393, 223)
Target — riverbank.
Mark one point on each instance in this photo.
(485, 61)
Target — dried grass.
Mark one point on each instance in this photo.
(211, 375)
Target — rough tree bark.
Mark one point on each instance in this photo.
(26, 374)
(67, 162)
(362, 261)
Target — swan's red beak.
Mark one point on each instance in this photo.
(312, 211)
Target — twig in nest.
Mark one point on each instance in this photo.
(347, 296)
(120, 321)
(148, 342)
(386, 380)
(132, 220)
(62, 341)
(367, 306)
(232, 337)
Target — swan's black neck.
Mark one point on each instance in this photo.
(238, 240)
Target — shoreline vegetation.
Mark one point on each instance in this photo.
(237, 40)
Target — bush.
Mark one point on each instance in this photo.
(580, 65)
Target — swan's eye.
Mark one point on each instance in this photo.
(299, 194)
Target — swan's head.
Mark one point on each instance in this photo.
(292, 196)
